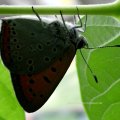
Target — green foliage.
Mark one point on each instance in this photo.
(101, 100)
(9, 107)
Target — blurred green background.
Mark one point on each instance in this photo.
(65, 103)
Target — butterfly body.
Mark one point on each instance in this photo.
(38, 54)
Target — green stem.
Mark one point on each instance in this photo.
(112, 9)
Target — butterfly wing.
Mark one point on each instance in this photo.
(32, 45)
(37, 58)
(33, 90)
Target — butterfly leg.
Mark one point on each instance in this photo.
(56, 17)
(74, 20)
(63, 21)
(38, 16)
(83, 28)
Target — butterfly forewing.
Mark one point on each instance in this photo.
(33, 45)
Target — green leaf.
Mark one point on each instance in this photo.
(101, 100)
(9, 107)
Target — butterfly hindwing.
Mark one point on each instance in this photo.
(33, 91)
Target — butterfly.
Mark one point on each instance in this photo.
(38, 51)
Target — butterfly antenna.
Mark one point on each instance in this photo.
(103, 47)
(36, 14)
(94, 76)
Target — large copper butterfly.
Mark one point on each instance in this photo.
(38, 53)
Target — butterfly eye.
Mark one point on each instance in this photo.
(82, 42)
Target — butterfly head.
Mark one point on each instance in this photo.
(79, 40)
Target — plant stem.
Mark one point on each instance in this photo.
(112, 9)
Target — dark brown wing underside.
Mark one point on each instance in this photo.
(33, 90)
